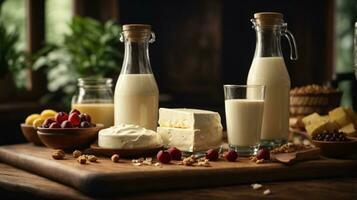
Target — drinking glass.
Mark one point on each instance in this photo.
(244, 106)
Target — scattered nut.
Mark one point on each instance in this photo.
(92, 158)
(267, 192)
(189, 161)
(58, 154)
(115, 158)
(256, 186)
(260, 161)
(76, 154)
(140, 160)
(82, 160)
(147, 161)
(137, 164)
(204, 163)
(158, 164)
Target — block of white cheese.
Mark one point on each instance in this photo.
(190, 129)
(191, 140)
(188, 118)
(128, 136)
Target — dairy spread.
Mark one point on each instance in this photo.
(190, 129)
(128, 136)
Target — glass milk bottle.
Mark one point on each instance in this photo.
(136, 95)
(268, 68)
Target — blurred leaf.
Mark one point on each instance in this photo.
(89, 49)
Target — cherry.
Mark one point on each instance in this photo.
(85, 117)
(55, 125)
(66, 124)
(74, 119)
(175, 153)
(47, 123)
(60, 117)
(231, 156)
(263, 154)
(74, 111)
(163, 157)
(85, 124)
(212, 155)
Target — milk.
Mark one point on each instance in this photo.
(102, 113)
(244, 121)
(271, 72)
(136, 100)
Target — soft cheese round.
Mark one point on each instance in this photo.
(128, 136)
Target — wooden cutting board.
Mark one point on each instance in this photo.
(106, 178)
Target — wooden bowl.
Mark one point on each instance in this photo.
(124, 153)
(336, 149)
(68, 138)
(30, 133)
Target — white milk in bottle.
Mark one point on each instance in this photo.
(268, 68)
(136, 97)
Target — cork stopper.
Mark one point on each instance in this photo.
(268, 18)
(137, 32)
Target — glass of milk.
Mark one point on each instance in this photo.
(244, 106)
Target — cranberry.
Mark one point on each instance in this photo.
(66, 124)
(47, 123)
(60, 117)
(263, 154)
(175, 153)
(55, 125)
(85, 117)
(212, 155)
(74, 111)
(163, 157)
(74, 119)
(85, 124)
(231, 156)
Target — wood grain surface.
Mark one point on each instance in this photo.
(18, 184)
(107, 178)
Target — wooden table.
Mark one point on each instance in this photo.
(19, 184)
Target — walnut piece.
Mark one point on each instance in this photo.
(58, 154)
(76, 154)
(82, 159)
(92, 158)
(115, 158)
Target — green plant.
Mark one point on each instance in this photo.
(12, 60)
(90, 49)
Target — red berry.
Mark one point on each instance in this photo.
(55, 125)
(175, 153)
(74, 119)
(66, 124)
(74, 111)
(231, 156)
(263, 154)
(163, 157)
(85, 117)
(60, 117)
(47, 123)
(85, 124)
(212, 155)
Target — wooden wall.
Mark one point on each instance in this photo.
(203, 44)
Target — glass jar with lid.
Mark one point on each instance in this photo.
(95, 97)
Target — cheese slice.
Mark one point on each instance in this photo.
(189, 118)
(189, 140)
(349, 130)
(339, 115)
(320, 126)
